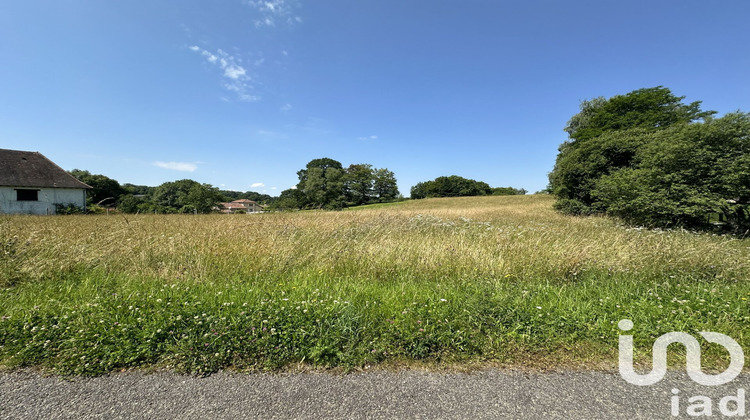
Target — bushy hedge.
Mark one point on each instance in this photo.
(646, 158)
(450, 186)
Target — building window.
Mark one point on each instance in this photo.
(27, 195)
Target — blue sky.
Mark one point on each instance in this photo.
(242, 94)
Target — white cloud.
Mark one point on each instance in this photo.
(258, 185)
(234, 72)
(273, 188)
(286, 107)
(364, 138)
(249, 98)
(273, 11)
(177, 166)
(238, 79)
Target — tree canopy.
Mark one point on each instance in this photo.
(650, 159)
(650, 109)
(186, 196)
(325, 184)
(384, 187)
(322, 182)
(450, 186)
(103, 190)
(508, 191)
(684, 176)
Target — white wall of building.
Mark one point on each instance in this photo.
(48, 197)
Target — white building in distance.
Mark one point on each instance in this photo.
(32, 184)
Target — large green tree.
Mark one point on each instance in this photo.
(322, 182)
(290, 199)
(186, 196)
(105, 190)
(649, 108)
(651, 160)
(358, 183)
(687, 175)
(385, 187)
(605, 136)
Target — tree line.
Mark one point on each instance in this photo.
(182, 196)
(456, 186)
(325, 184)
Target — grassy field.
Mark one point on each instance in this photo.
(442, 282)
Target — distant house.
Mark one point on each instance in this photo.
(32, 184)
(238, 206)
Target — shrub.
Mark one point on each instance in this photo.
(643, 157)
(67, 208)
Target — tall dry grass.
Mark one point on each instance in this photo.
(475, 238)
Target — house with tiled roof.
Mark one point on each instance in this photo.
(241, 206)
(32, 184)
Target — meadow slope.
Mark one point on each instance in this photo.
(447, 282)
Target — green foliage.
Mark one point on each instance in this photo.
(291, 199)
(325, 184)
(508, 191)
(685, 175)
(644, 158)
(419, 191)
(129, 203)
(104, 190)
(580, 165)
(142, 190)
(358, 183)
(650, 109)
(182, 196)
(65, 209)
(450, 186)
(322, 182)
(365, 184)
(186, 196)
(385, 188)
(249, 195)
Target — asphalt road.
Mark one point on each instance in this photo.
(490, 394)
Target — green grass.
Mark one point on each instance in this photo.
(447, 282)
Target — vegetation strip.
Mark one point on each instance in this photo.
(457, 280)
